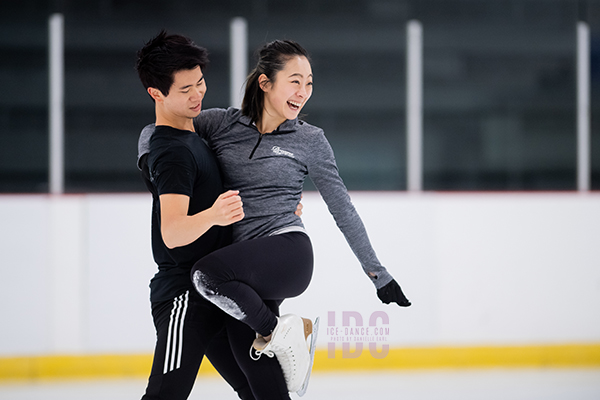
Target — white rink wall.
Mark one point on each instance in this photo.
(480, 269)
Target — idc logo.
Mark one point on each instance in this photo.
(353, 330)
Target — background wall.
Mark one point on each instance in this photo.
(499, 114)
(499, 86)
(480, 269)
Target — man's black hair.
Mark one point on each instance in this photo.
(166, 54)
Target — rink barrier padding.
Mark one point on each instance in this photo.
(48, 367)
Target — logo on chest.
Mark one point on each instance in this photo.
(277, 150)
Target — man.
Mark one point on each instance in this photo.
(190, 218)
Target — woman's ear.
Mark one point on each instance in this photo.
(263, 82)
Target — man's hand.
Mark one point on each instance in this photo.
(227, 209)
(298, 211)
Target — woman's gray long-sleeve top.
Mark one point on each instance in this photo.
(269, 171)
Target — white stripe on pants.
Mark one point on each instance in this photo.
(175, 334)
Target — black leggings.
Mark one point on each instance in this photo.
(249, 279)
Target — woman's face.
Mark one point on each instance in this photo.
(290, 90)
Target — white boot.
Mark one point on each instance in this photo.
(288, 344)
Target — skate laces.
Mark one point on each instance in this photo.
(285, 355)
(260, 346)
(267, 352)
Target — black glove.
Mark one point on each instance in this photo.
(392, 293)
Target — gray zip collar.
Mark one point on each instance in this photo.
(289, 126)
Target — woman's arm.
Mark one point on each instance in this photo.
(324, 174)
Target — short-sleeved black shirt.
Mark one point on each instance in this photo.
(180, 162)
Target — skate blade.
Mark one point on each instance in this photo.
(313, 343)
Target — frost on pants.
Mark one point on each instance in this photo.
(202, 285)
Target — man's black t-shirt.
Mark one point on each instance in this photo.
(180, 162)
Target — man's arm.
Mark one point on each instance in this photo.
(179, 229)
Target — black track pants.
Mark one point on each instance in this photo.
(190, 327)
(241, 277)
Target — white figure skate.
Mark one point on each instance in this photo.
(288, 344)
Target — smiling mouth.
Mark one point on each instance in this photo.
(294, 105)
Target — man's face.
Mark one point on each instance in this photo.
(186, 93)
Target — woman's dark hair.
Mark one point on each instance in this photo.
(272, 58)
(163, 56)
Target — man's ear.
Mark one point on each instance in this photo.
(155, 94)
(263, 82)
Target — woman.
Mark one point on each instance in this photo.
(266, 152)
